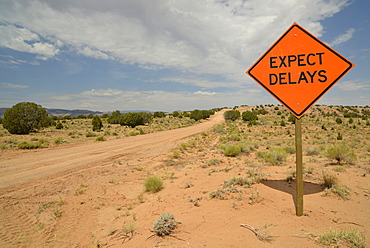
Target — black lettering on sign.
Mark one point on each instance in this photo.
(301, 60)
(283, 78)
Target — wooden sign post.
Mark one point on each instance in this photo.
(297, 70)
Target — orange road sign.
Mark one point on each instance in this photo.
(298, 69)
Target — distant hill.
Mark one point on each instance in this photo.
(62, 112)
(74, 113)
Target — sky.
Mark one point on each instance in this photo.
(166, 55)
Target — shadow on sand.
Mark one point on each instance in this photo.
(284, 186)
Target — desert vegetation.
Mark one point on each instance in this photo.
(240, 173)
(40, 131)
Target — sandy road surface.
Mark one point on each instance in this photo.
(20, 168)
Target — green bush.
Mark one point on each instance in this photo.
(29, 145)
(291, 119)
(159, 114)
(135, 119)
(200, 114)
(232, 151)
(249, 116)
(339, 137)
(341, 153)
(59, 125)
(232, 115)
(25, 117)
(115, 117)
(338, 120)
(90, 134)
(153, 184)
(97, 123)
(274, 156)
(58, 140)
(101, 138)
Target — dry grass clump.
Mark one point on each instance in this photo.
(153, 184)
(340, 153)
(343, 238)
(275, 156)
(332, 185)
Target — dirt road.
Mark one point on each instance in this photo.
(20, 168)
(92, 195)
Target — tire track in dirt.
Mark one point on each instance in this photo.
(16, 233)
(32, 178)
(29, 166)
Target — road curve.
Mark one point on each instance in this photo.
(27, 166)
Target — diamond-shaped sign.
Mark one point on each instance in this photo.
(298, 69)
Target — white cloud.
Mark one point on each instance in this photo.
(343, 37)
(87, 51)
(206, 37)
(11, 85)
(111, 99)
(200, 82)
(24, 40)
(205, 93)
(354, 85)
(102, 92)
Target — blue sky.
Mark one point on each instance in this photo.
(166, 55)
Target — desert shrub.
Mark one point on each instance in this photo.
(339, 190)
(114, 118)
(312, 151)
(175, 113)
(25, 117)
(290, 149)
(159, 114)
(341, 153)
(176, 154)
(346, 237)
(249, 116)
(274, 156)
(165, 224)
(338, 120)
(339, 137)
(81, 117)
(218, 194)
(200, 114)
(232, 115)
(29, 145)
(153, 184)
(101, 138)
(232, 151)
(329, 180)
(90, 134)
(240, 181)
(59, 125)
(135, 119)
(219, 129)
(58, 140)
(97, 123)
(291, 119)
